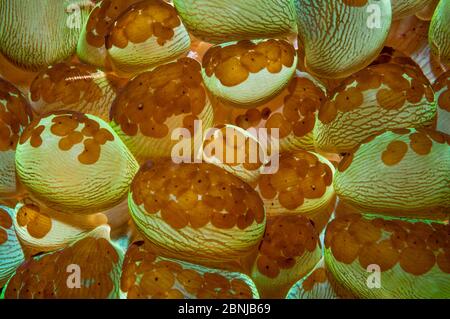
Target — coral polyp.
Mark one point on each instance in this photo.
(209, 216)
(29, 41)
(40, 274)
(15, 115)
(147, 275)
(224, 149)
(380, 97)
(171, 96)
(360, 38)
(289, 251)
(233, 71)
(132, 36)
(75, 87)
(394, 155)
(85, 148)
(219, 21)
(407, 251)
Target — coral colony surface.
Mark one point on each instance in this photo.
(225, 149)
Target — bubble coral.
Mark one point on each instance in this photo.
(15, 115)
(219, 21)
(154, 104)
(40, 229)
(147, 275)
(289, 250)
(442, 94)
(381, 97)
(318, 284)
(136, 35)
(48, 276)
(91, 47)
(74, 87)
(11, 254)
(56, 41)
(413, 256)
(303, 185)
(376, 176)
(196, 212)
(293, 112)
(297, 117)
(74, 162)
(410, 37)
(234, 71)
(439, 32)
(149, 33)
(294, 88)
(342, 39)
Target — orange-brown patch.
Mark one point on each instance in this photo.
(367, 80)
(394, 153)
(416, 246)
(345, 248)
(442, 81)
(91, 135)
(15, 115)
(141, 21)
(232, 64)
(267, 266)
(249, 118)
(195, 194)
(349, 99)
(301, 176)
(390, 99)
(102, 19)
(67, 84)
(150, 99)
(382, 254)
(5, 219)
(46, 276)
(400, 89)
(171, 279)
(444, 100)
(415, 93)
(3, 236)
(327, 112)
(420, 143)
(318, 276)
(417, 261)
(301, 104)
(277, 121)
(287, 238)
(38, 224)
(436, 136)
(346, 161)
(443, 261)
(364, 231)
(355, 3)
(191, 280)
(340, 223)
